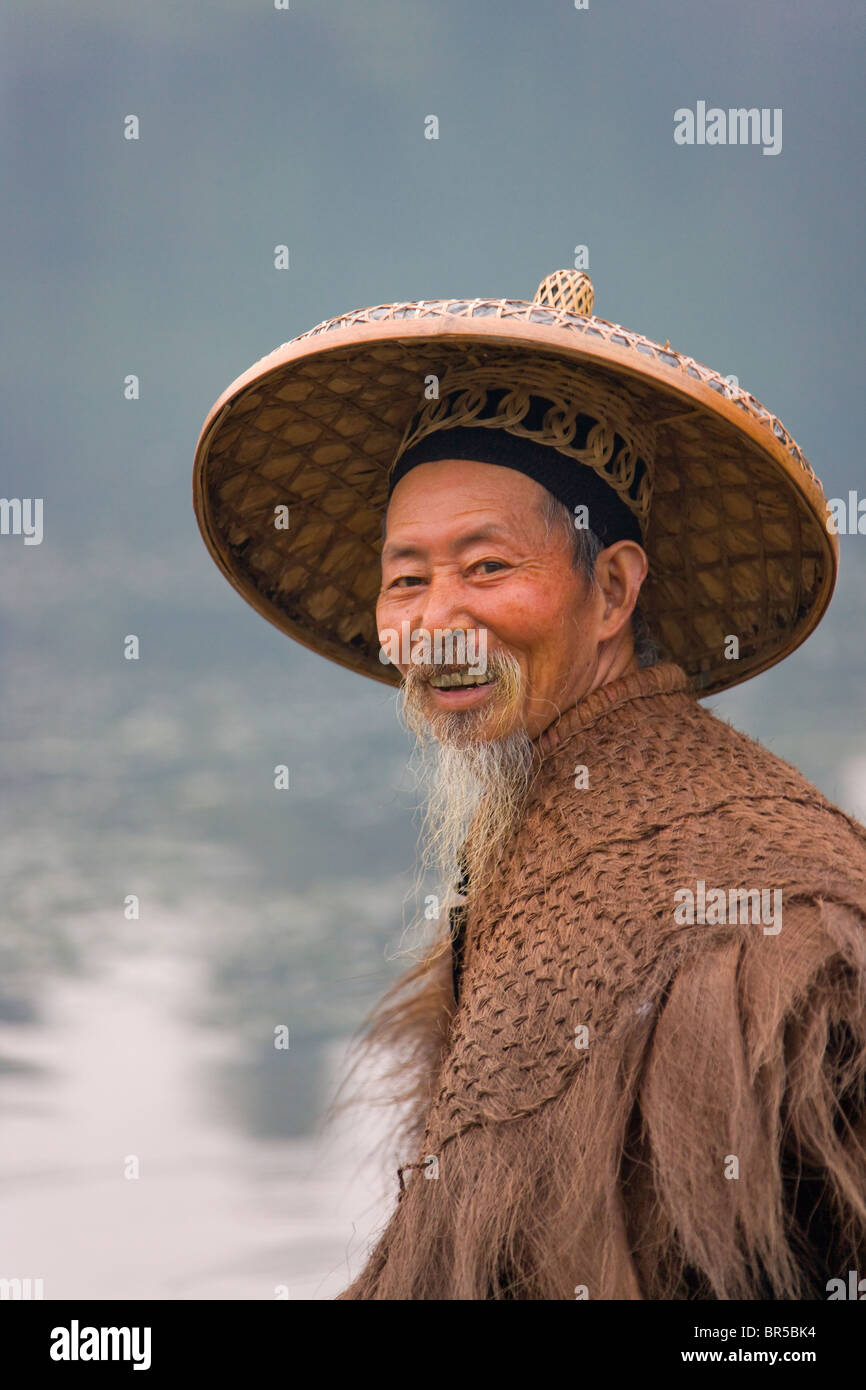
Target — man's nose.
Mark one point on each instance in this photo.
(443, 605)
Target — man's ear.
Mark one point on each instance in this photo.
(620, 570)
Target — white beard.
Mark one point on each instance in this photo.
(470, 778)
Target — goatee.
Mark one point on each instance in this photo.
(477, 766)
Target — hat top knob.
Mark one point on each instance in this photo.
(570, 290)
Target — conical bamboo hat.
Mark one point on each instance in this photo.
(292, 465)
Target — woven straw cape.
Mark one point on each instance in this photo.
(732, 516)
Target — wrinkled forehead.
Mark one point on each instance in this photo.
(467, 492)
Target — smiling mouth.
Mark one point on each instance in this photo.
(449, 680)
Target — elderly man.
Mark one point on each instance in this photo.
(637, 1055)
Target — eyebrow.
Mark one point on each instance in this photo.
(491, 532)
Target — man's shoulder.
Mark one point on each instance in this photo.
(726, 760)
(687, 763)
(669, 797)
(712, 730)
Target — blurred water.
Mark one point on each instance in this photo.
(116, 1066)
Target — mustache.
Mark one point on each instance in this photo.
(500, 663)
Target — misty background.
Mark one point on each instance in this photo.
(154, 1038)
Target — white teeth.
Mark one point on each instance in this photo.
(452, 678)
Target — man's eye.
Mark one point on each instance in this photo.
(497, 564)
(406, 579)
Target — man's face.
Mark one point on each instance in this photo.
(466, 547)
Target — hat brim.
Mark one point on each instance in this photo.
(737, 539)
